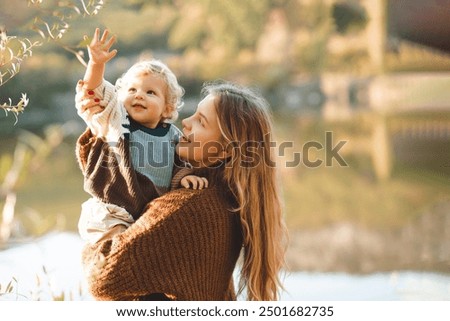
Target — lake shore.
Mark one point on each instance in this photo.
(421, 245)
(49, 268)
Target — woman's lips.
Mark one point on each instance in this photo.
(184, 139)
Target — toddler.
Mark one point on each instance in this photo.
(129, 141)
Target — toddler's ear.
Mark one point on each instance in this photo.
(166, 113)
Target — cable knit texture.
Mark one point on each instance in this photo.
(110, 177)
(184, 246)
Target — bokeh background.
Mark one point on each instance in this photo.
(374, 74)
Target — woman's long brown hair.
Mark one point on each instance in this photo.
(246, 125)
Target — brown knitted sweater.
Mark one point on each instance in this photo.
(110, 176)
(185, 245)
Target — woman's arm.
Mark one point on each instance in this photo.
(100, 110)
(180, 246)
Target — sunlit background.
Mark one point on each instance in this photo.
(361, 101)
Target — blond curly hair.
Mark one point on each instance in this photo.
(174, 93)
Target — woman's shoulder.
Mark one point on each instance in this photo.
(206, 202)
(215, 196)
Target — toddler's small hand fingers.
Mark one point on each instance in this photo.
(111, 55)
(104, 36)
(95, 38)
(184, 183)
(110, 42)
(194, 183)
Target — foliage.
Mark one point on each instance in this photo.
(270, 43)
(12, 53)
(348, 16)
(16, 109)
(232, 25)
(50, 20)
(313, 55)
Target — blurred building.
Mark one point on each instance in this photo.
(406, 90)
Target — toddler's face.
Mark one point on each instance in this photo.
(144, 99)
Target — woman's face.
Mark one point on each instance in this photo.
(202, 144)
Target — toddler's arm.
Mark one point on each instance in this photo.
(99, 55)
(96, 99)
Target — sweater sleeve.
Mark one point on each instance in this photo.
(184, 245)
(107, 123)
(109, 175)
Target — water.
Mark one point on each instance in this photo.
(401, 285)
(59, 253)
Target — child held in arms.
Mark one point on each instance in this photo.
(127, 152)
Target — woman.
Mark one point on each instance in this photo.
(186, 244)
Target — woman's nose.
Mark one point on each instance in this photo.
(186, 123)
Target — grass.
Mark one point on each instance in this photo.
(42, 290)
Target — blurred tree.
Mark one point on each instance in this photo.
(212, 34)
(268, 42)
(349, 16)
(231, 25)
(29, 20)
(311, 56)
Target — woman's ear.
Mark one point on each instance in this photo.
(222, 157)
(219, 152)
(224, 154)
(227, 150)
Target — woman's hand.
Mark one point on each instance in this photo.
(99, 47)
(86, 101)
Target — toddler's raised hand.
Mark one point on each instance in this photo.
(99, 47)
